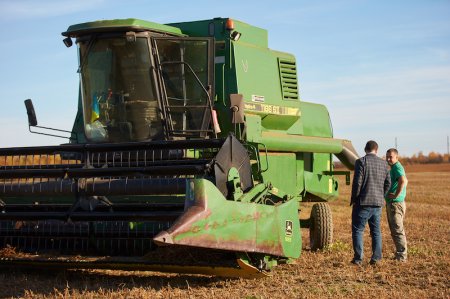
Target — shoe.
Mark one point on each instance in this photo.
(357, 263)
(373, 262)
(400, 259)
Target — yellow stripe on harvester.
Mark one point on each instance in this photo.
(272, 109)
(330, 185)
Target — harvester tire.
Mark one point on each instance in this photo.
(321, 226)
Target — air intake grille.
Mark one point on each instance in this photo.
(288, 79)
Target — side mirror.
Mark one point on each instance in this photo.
(68, 42)
(32, 121)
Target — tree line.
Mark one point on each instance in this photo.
(421, 158)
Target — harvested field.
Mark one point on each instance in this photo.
(313, 275)
(443, 167)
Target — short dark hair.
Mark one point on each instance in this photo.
(392, 150)
(371, 146)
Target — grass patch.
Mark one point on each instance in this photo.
(418, 251)
(338, 246)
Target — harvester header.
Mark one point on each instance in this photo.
(190, 140)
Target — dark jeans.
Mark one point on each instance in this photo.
(360, 216)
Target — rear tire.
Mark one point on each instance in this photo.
(321, 226)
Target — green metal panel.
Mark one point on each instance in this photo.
(263, 86)
(257, 74)
(281, 123)
(316, 120)
(316, 182)
(254, 127)
(252, 34)
(282, 171)
(322, 186)
(201, 28)
(296, 128)
(300, 164)
(216, 27)
(322, 162)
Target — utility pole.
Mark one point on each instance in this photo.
(396, 143)
(448, 149)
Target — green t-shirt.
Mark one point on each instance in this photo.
(397, 171)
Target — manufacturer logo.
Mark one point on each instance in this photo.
(258, 99)
(288, 229)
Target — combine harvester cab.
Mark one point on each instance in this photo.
(190, 152)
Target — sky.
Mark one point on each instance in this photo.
(382, 67)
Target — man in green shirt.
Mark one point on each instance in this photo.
(395, 204)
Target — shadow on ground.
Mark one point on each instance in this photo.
(16, 282)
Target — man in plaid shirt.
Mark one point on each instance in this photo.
(371, 181)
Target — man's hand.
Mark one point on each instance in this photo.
(391, 196)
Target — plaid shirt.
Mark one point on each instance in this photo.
(371, 181)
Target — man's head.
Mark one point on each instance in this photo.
(371, 147)
(392, 156)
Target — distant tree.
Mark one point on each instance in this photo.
(435, 158)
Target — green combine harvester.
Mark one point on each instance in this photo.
(191, 152)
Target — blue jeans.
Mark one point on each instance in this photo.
(360, 216)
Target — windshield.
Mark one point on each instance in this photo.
(119, 100)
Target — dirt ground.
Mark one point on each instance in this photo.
(314, 275)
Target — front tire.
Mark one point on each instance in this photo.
(321, 226)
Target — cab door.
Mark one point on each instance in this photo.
(185, 67)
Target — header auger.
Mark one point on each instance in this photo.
(190, 152)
